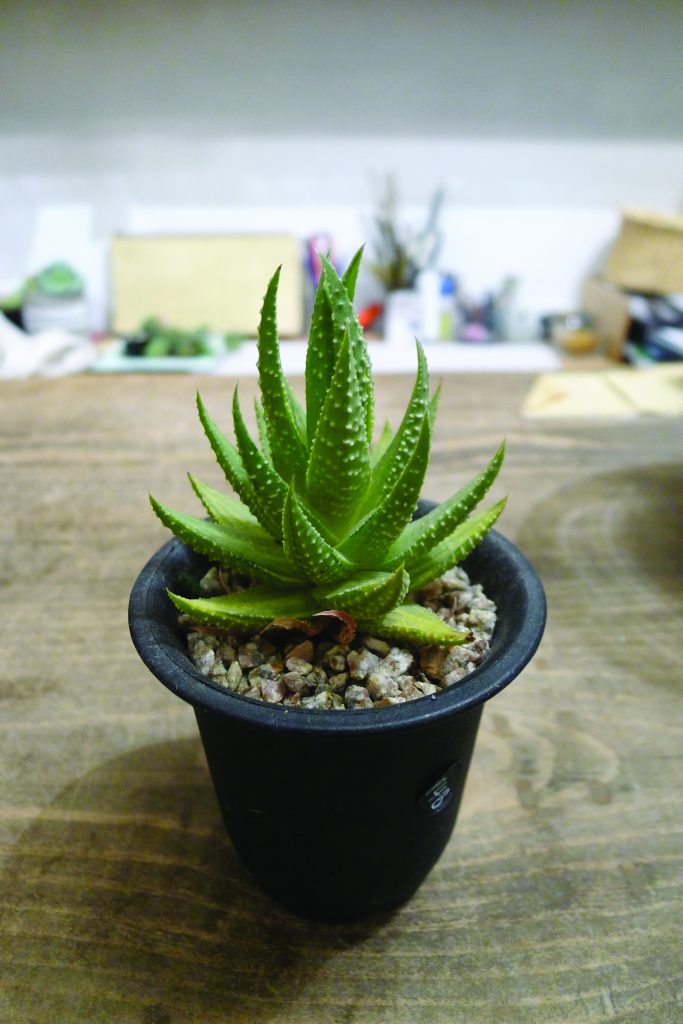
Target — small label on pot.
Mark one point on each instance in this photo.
(438, 796)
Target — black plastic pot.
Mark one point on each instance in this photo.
(339, 814)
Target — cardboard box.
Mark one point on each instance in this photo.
(609, 308)
(647, 255)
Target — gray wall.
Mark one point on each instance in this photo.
(539, 69)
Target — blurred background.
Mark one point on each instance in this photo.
(499, 141)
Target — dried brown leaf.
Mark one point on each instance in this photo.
(348, 627)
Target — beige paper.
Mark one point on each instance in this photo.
(576, 395)
(657, 390)
(621, 393)
(216, 281)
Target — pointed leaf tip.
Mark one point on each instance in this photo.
(287, 447)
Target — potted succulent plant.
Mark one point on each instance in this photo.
(337, 812)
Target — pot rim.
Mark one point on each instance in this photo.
(158, 646)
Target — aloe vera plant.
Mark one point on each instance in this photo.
(324, 516)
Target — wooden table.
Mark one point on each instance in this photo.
(121, 900)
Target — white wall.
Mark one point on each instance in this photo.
(540, 119)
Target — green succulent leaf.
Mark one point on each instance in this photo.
(402, 445)
(262, 430)
(434, 405)
(226, 511)
(366, 594)
(249, 609)
(229, 546)
(344, 319)
(454, 548)
(321, 355)
(350, 275)
(368, 544)
(297, 412)
(268, 486)
(414, 624)
(287, 447)
(306, 548)
(429, 530)
(227, 456)
(323, 347)
(382, 443)
(339, 463)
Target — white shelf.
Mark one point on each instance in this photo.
(443, 357)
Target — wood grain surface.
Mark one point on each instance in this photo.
(121, 900)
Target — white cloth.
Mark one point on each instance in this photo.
(52, 353)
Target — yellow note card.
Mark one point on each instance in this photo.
(655, 391)
(616, 394)
(576, 395)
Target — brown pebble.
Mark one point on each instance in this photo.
(234, 675)
(397, 661)
(273, 690)
(317, 678)
(338, 682)
(336, 658)
(295, 682)
(380, 684)
(303, 650)
(322, 700)
(360, 663)
(453, 677)
(357, 697)
(249, 656)
(408, 687)
(261, 672)
(377, 646)
(457, 658)
(432, 659)
(298, 665)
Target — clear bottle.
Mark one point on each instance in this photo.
(429, 290)
(448, 319)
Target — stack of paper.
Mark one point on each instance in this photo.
(655, 391)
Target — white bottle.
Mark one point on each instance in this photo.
(429, 288)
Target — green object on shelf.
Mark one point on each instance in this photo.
(12, 303)
(58, 280)
(155, 340)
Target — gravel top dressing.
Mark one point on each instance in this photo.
(285, 667)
